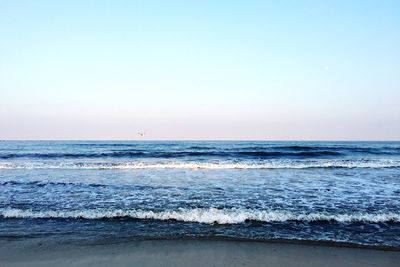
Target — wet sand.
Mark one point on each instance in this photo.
(37, 252)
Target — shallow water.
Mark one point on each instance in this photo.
(331, 191)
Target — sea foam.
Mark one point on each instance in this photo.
(206, 215)
(382, 163)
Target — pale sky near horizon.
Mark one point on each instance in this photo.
(265, 70)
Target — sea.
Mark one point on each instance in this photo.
(328, 192)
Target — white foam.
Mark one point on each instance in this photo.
(209, 215)
(382, 163)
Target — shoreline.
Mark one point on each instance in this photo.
(186, 252)
(104, 240)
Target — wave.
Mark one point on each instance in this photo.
(209, 215)
(359, 149)
(176, 154)
(48, 183)
(259, 152)
(206, 165)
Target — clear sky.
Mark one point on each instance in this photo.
(270, 70)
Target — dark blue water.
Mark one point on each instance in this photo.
(319, 191)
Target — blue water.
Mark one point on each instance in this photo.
(318, 191)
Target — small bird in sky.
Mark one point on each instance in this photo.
(141, 134)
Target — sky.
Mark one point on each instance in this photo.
(200, 70)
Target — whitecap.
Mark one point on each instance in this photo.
(203, 215)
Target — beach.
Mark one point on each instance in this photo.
(42, 252)
(253, 203)
(199, 133)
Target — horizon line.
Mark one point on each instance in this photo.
(206, 140)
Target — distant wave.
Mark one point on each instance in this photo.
(382, 163)
(223, 151)
(208, 215)
(175, 154)
(386, 150)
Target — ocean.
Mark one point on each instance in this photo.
(340, 192)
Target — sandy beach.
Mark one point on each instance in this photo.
(199, 133)
(39, 252)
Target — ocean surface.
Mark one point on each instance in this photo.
(346, 192)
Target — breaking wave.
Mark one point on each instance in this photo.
(208, 215)
(206, 165)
